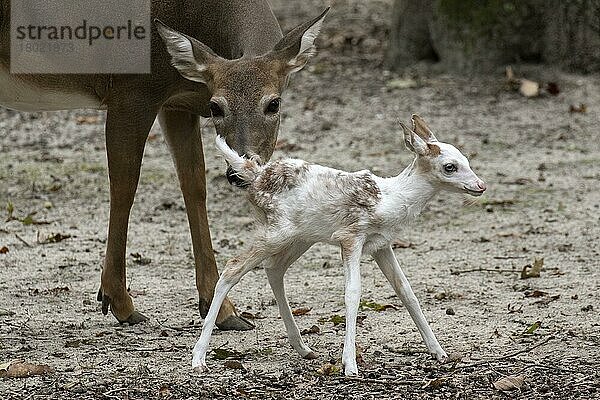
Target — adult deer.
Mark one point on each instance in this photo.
(232, 63)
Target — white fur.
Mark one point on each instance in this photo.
(358, 211)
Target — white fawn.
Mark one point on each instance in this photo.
(300, 204)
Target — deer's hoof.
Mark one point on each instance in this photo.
(310, 356)
(235, 323)
(135, 318)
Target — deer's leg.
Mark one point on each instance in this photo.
(127, 127)
(234, 270)
(386, 260)
(276, 268)
(351, 252)
(182, 131)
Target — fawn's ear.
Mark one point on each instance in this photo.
(420, 128)
(188, 55)
(298, 46)
(413, 142)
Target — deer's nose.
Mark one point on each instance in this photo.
(234, 178)
(481, 185)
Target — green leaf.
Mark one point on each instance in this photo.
(533, 327)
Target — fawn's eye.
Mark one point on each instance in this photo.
(450, 168)
(273, 106)
(215, 110)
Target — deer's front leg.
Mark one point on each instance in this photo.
(182, 130)
(235, 269)
(127, 127)
(386, 260)
(351, 252)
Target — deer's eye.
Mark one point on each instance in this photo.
(215, 110)
(273, 106)
(450, 168)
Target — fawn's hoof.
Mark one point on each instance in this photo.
(200, 369)
(310, 356)
(235, 323)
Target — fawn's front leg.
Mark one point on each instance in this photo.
(386, 260)
(276, 268)
(351, 252)
(235, 269)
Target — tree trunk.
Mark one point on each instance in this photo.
(481, 35)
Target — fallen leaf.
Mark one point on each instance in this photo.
(3, 250)
(21, 369)
(435, 383)
(530, 271)
(312, 330)
(284, 145)
(328, 369)
(301, 311)
(54, 238)
(529, 88)
(233, 364)
(581, 108)
(371, 305)
(222, 354)
(336, 319)
(249, 315)
(510, 382)
(532, 328)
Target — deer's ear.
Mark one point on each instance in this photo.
(420, 128)
(188, 55)
(413, 142)
(298, 46)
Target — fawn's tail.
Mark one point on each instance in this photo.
(246, 168)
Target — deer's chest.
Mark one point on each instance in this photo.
(19, 94)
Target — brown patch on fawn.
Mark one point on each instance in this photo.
(362, 191)
(279, 176)
(434, 150)
(420, 128)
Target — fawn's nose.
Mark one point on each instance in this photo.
(234, 178)
(481, 185)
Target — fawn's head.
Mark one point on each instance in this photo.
(446, 166)
(246, 92)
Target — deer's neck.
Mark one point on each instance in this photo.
(408, 193)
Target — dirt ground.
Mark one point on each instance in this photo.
(464, 258)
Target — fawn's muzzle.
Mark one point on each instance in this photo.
(234, 179)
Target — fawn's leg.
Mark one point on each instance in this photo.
(235, 269)
(386, 260)
(127, 127)
(182, 131)
(276, 268)
(351, 252)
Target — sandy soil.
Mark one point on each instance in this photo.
(541, 163)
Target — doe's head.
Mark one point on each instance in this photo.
(445, 165)
(245, 92)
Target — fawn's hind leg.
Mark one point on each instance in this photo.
(235, 269)
(276, 269)
(386, 260)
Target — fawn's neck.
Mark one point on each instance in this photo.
(409, 192)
